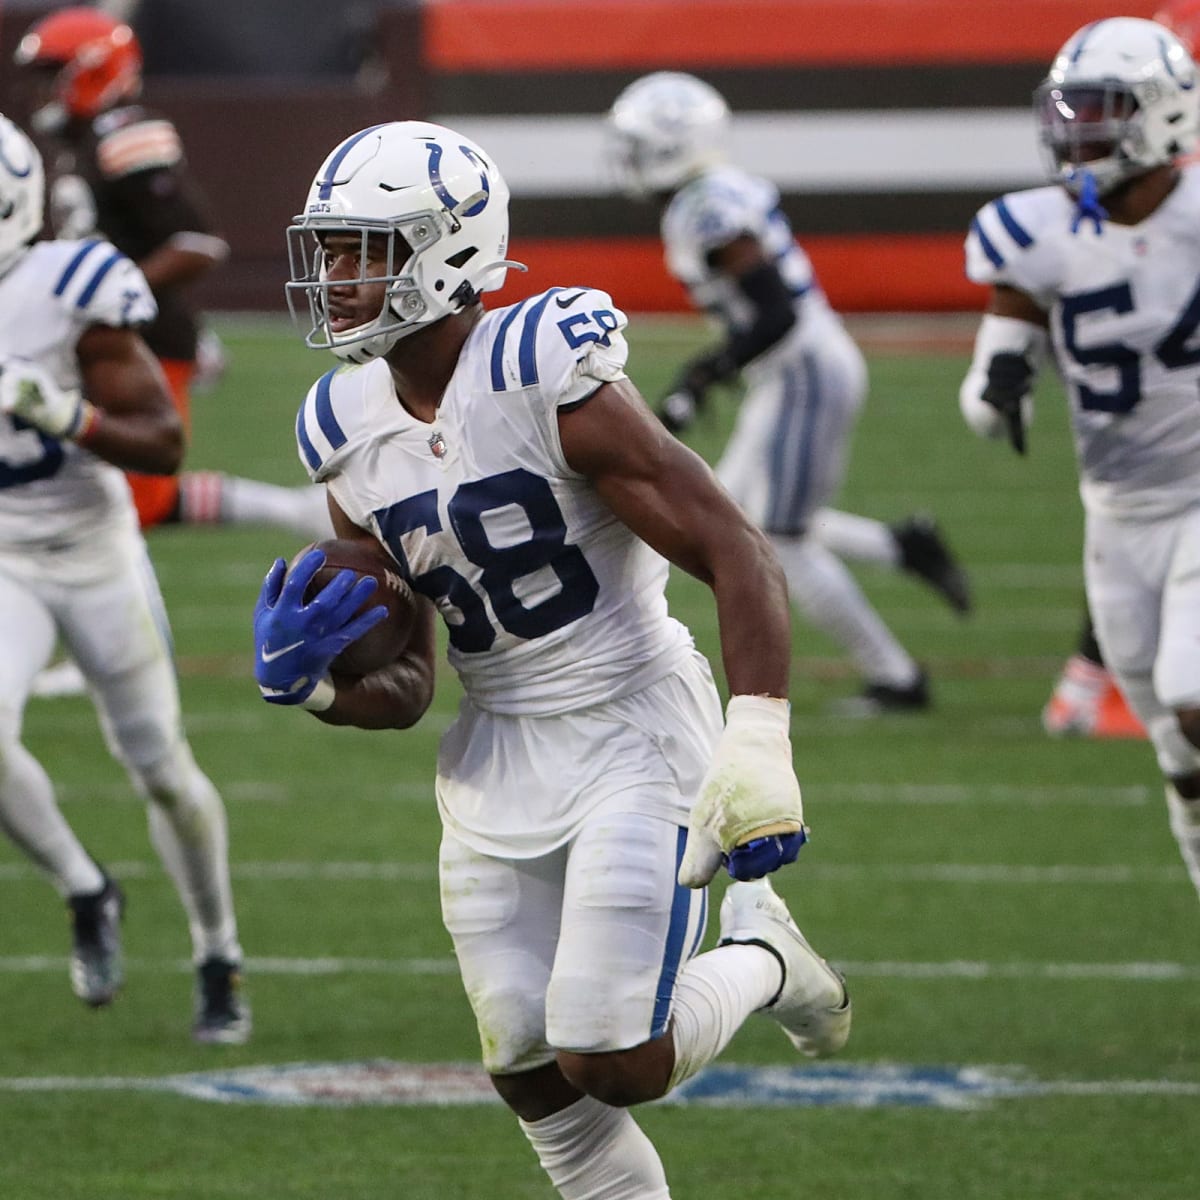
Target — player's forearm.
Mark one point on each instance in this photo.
(174, 266)
(152, 444)
(394, 698)
(754, 618)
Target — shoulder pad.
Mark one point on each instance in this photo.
(1011, 238)
(139, 145)
(329, 418)
(718, 207)
(557, 341)
(99, 283)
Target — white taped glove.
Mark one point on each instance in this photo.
(28, 391)
(750, 794)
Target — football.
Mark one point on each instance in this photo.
(384, 642)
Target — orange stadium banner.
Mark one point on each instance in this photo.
(885, 124)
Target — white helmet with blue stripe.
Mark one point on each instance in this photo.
(1121, 98)
(22, 193)
(442, 205)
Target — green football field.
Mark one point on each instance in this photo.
(1019, 935)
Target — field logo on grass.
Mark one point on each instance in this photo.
(384, 1083)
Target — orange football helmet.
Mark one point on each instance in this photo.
(98, 61)
(1182, 18)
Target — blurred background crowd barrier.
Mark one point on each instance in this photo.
(886, 123)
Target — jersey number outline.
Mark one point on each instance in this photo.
(500, 566)
(45, 459)
(1172, 350)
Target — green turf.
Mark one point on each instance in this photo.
(964, 836)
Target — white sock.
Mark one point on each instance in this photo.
(207, 497)
(714, 995)
(1184, 816)
(859, 539)
(822, 587)
(188, 829)
(30, 816)
(594, 1152)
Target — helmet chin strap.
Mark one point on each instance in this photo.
(1087, 201)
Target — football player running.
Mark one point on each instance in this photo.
(80, 397)
(589, 789)
(1101, 270)
(728, 242)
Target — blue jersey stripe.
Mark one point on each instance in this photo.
(1016, 230)
(306, 447)
(675, 949)
(85, 297)
(997, 259)
(73, 266)
(324, 407)
(527, 357)
(339, 156)
(498, 347)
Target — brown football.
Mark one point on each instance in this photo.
(383, 643)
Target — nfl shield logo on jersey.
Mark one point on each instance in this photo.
(437, 444)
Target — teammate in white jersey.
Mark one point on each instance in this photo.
(728, 242)
(1102, 268)
(589, 789)
(81, 399)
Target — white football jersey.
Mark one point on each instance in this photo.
(53, 492)
(712, 210)
(1124, 305)
(552, 603)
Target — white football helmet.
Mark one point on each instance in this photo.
(22, 193)
(1120, 99)
(443, 206)
(665, 128)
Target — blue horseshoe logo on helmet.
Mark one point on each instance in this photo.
(13, 169)
(435, 178)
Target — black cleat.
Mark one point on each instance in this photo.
(97, 964)
(880, 699)
(923, 553)
(222, 1015)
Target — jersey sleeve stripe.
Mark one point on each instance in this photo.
(986, 245)
(498, 348)
(97, 279)
(1016, 230)
(306, 447)
(526, 355)
(324, 409)
(73, 266)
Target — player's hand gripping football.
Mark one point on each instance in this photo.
(29, 392)
(294, 641)
(748, 815)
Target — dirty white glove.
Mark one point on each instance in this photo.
(28, 391)
(748, 815)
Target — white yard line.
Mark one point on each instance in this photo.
(1006, 874)
(254, 791)
(965, 969)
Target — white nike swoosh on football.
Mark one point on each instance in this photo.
(272, 655)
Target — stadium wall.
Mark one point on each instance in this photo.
(886, 123)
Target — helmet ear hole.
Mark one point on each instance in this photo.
(460, 259)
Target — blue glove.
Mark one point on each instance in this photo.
(761, 856)
(294, 642)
